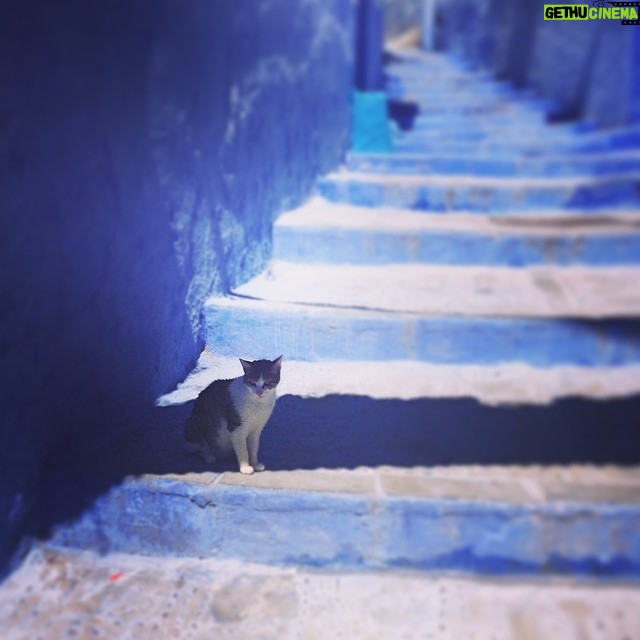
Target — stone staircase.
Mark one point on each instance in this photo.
(431, 304)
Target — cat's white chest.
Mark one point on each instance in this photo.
(254, 411)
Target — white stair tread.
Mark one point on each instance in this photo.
(512, 383)
(447, 180)
(87, 593)
(540, 291)
(318, 213)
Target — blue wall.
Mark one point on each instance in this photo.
(585, 69)
(401, 16)
(464, 28)
(145, 148)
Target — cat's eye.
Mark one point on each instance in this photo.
(252, 382)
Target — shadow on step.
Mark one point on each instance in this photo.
(349, 431)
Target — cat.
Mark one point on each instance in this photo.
(229, 415)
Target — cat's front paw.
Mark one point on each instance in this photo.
(246, 468)
(258, 467)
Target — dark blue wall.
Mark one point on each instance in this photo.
(145, 148)
(369, 40)
(585, 69)
(465, 29)
(401, 16)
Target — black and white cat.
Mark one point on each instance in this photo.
(229, 415)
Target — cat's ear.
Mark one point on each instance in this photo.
(275, 364)
(246, 365)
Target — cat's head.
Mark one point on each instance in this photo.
(261, 376)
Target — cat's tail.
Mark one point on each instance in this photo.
(189, 447)
(194, 443)
(201, 450)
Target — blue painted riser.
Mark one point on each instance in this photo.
(442, 80)
(496, 126)
(299, 244)
(455, 106)
(517, 136)
(329, 335)
(514, 166)
(523, 123)
(481, 198)
(496, 123)
(438, 76)
(502, 136)
(166, 517)
(443, 75)
(438, 82)
(439, 94)
(417, 142)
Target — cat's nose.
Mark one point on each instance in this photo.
(260, 393)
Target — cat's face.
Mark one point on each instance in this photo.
(261, 376)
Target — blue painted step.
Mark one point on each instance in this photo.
(521, 125)
(368, 520)
(430, 84)
(445, 74)
(452, 193)
(517, 123)
(519, 137)
(321, 232)
(496, 121)
(597, 141)
(489, 107)
(316, 333)
(432, 103)
(491, 125)
(514, 165)
(425, 94)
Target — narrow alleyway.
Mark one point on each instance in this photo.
(431, 304)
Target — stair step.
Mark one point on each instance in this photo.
(505, 165)
(485, 111)
(515, 135)
(512, 114)
(535, 292)
(472, 193)
(588, 142)
(456, 129)
(242, 599)
(316, 333)
(440, 96)
(440, 83)
(437, 92)
(521, 137)
(472, 519)
(398, 380)
(324, 232)
(405, 414)
(519, 129)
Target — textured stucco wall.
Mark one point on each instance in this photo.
(145, 148)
